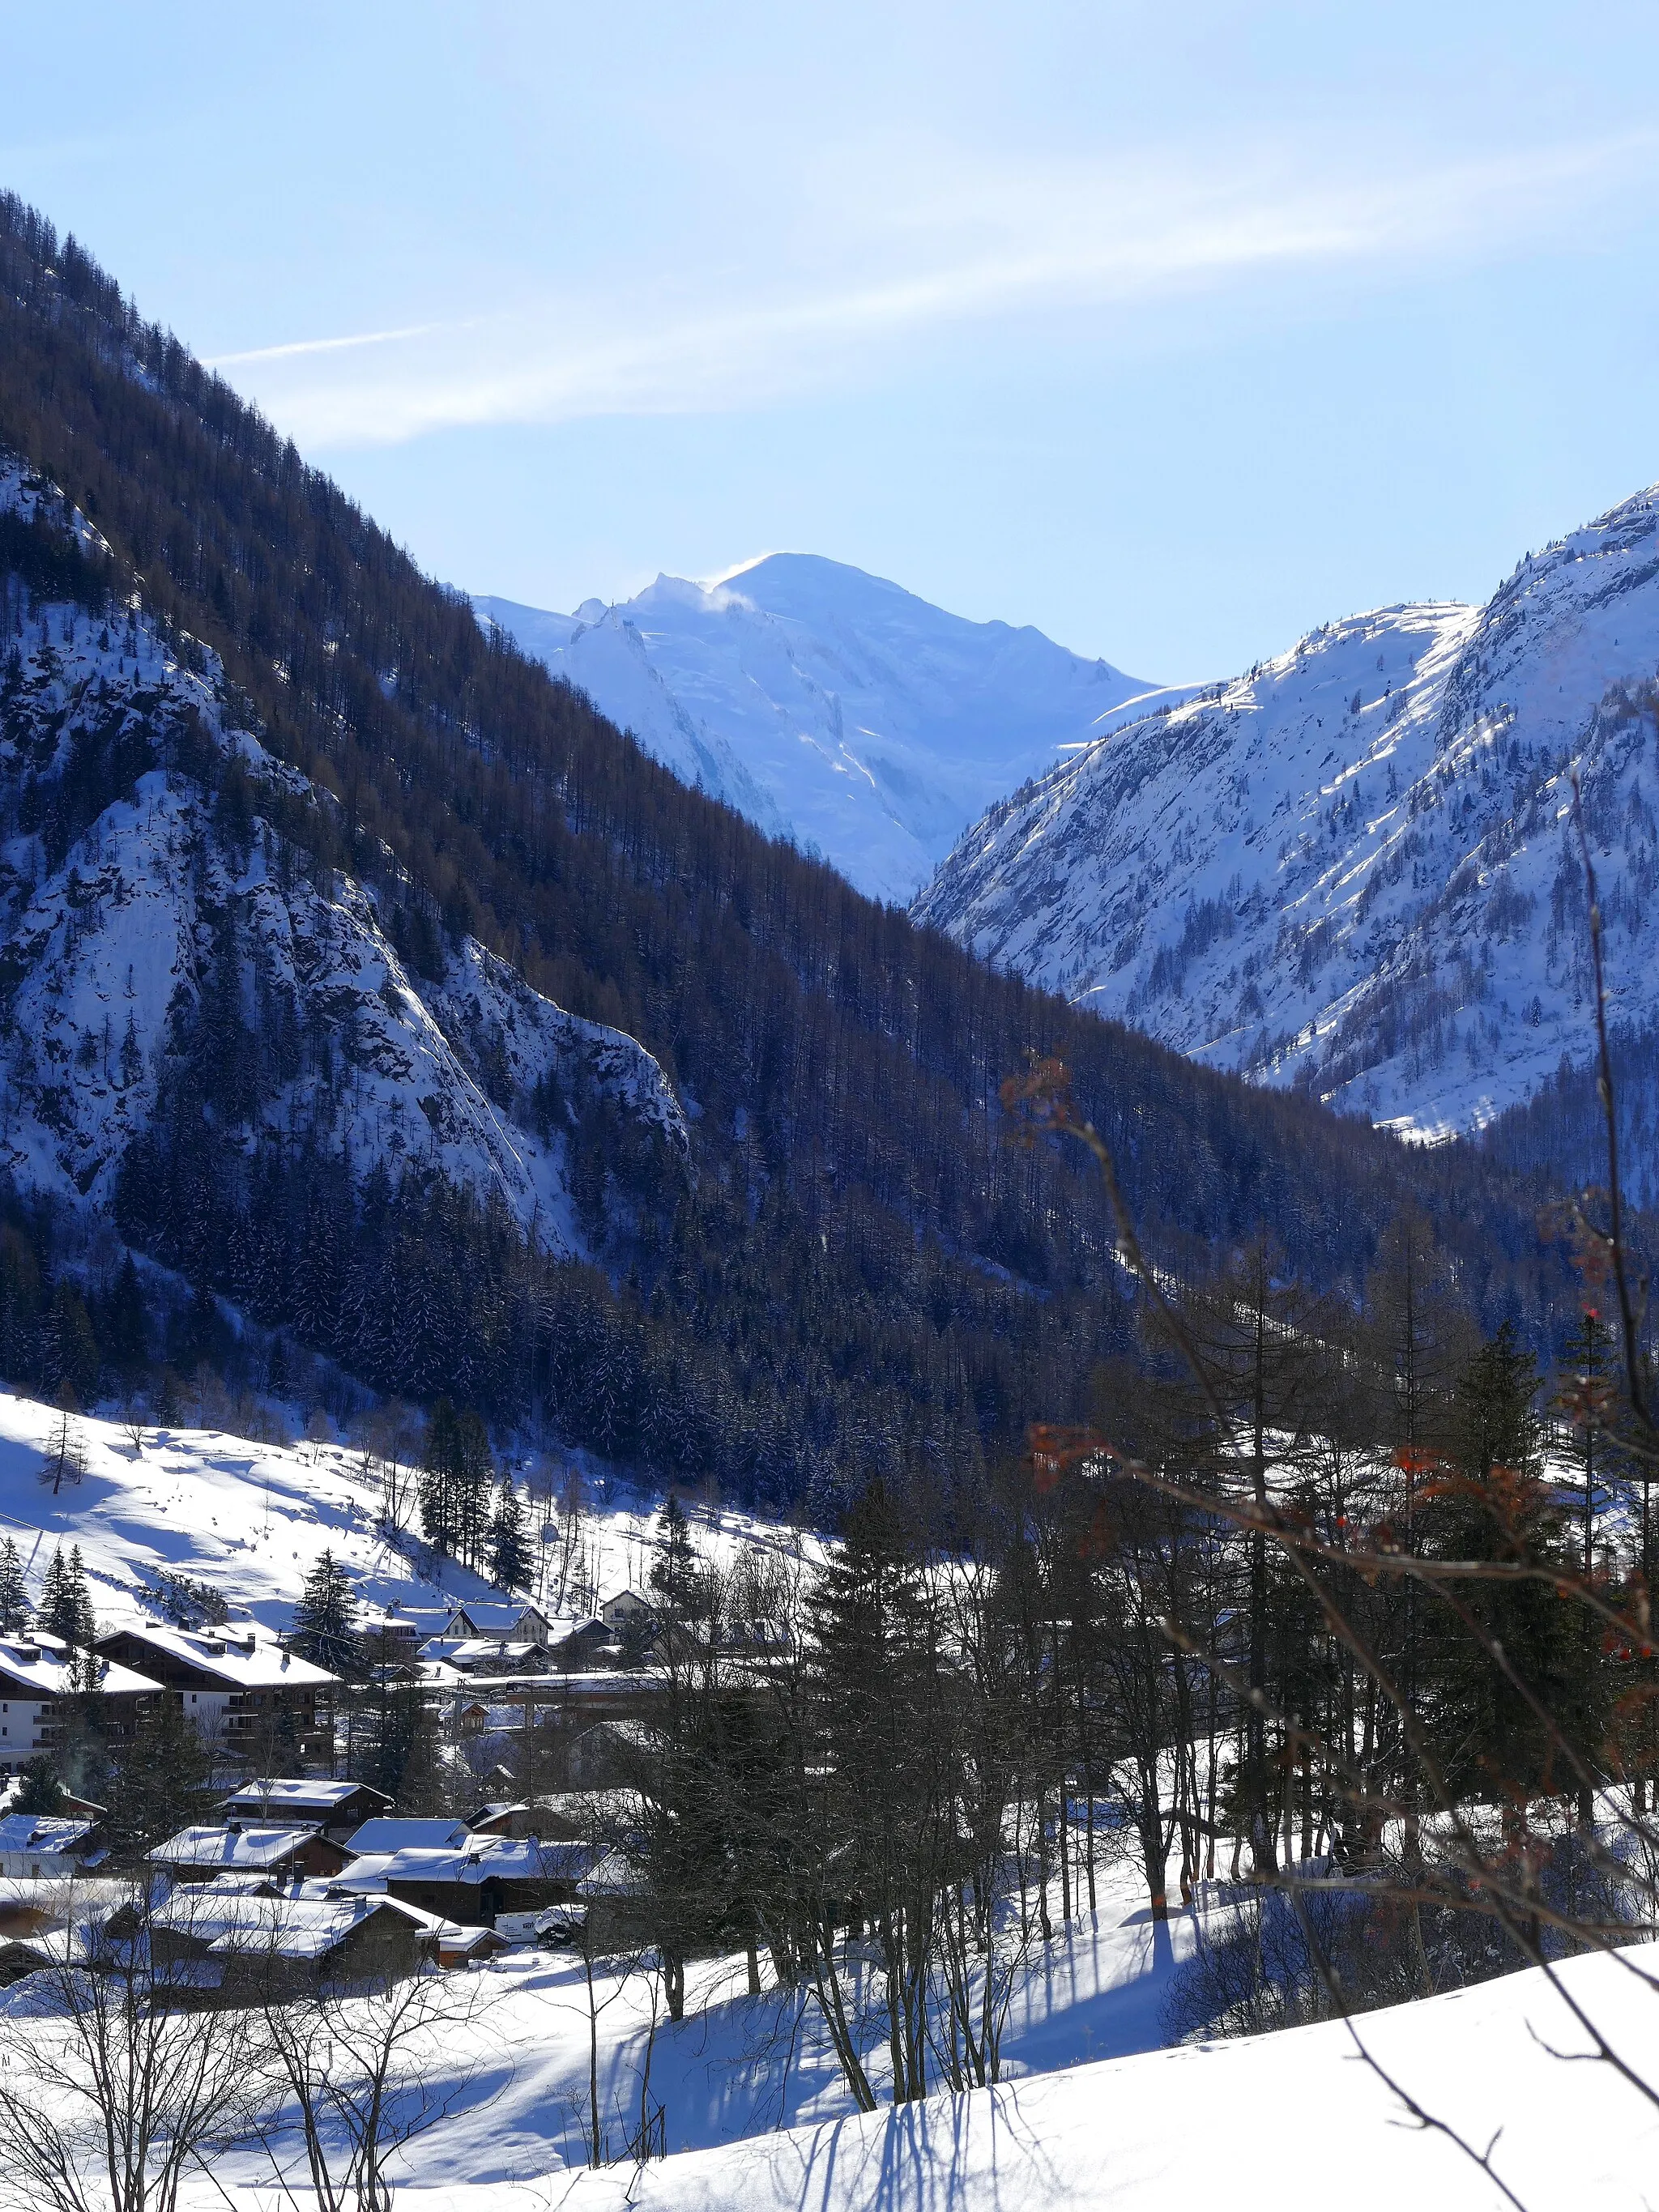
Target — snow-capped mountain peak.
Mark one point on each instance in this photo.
(1354, 867)
(827, 705)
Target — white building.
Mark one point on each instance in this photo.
(36, 1676)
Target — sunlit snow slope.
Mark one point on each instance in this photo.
(828, 706)
(251, 1520)
(1354, 867)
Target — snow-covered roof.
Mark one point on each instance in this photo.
(247, 1847)
(391, 1834)
(494, 1616)
(292, 1793)
(42, 1666)
(240, 1657)
(476, 1859)
(35, 1831)
(287, 1926)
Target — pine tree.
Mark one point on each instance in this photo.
(1495, 1506)
(14, 1589)
(677, 1576)
(39, 1790)
(509, 1548)
(325, 1620)
(440, 1466)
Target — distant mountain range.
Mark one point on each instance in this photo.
(1355, 868)
(828, 706)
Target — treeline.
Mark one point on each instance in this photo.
(865, 1269)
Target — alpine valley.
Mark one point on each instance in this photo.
(365, 993)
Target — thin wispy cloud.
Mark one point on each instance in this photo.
(971, 247)
(297, 346)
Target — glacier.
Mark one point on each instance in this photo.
(830, 707)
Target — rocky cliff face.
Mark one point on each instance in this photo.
(159, 926)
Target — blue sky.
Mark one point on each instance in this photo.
(1175, 330)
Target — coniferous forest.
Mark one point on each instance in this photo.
(858, 1273)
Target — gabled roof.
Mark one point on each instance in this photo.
(239, 1657)
(36, 1832)
(297, 1793)
(476, 1859)
(42, 1666)
(250, 1921)
(494, 1616)
(245, 1847)
(394, 1835)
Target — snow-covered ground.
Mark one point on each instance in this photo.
(1355, 867)
(828, 706)
(1092, 2114)
(251, 1520)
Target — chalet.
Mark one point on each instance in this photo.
(336, 1807)
(197, 1855)
(483, 1655)
(507, 1622)
(627, 1610)
(475, 1880)
(235, 1685)
(390, 1833)
(37, 1674)
(503, 1817)
(269, 1936)
(39, 1847)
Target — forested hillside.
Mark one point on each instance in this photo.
(857, 1273)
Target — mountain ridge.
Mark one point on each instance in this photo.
(1354, 869)
(827, 705)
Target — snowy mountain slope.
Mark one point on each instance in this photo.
(136, 911)
(827, 705)
(1354, 867)
(250, 1520)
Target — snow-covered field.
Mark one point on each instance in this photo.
(251, 1521)
(754, 2116)
(1095, 2115)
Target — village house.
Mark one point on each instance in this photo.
(504, 1622)
(277, 1942)
(470, 1879)
(42, 1847)
(336, 1807)
(627, 1610)
(199, 1855)
(38, 1673)
(238, 1687)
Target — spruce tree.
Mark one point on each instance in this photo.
(39, 1789)
(160, 1780)
(325, 1620)
(65, 1607)
(14, 1589)
(440, 1471)
(1496, 1507)
(509, 1548)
